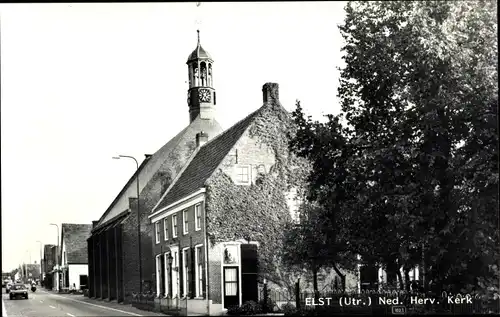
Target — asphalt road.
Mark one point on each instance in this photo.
(43, 303)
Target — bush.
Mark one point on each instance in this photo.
(248, 308)
(268, 307)
(289, 309)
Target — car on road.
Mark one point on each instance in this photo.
(18, 290)
(5, 282)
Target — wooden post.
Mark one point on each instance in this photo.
(297, 294)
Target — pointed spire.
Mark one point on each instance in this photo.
(198, 37)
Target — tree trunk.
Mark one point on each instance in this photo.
(315, 282)
(400, 279)
(342, 276)
(407, 279)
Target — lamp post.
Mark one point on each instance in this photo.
(57, 255)
(41, 277)
(138, 216)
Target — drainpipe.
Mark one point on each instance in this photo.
(207, 279)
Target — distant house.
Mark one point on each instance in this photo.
(48, 262)
(233, 196)
(17, 276)
(116, 267)
(74, 263)
(31, 271)
(51, 263)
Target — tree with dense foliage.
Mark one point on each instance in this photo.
(410, 165)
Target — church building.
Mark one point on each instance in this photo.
(218, 227)
(120, 256)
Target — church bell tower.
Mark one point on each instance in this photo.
(201, 93)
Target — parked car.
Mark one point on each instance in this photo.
(18, 290)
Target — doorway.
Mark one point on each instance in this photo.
(84, 280)
(231, 286)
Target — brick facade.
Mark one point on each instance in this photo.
(189, 240)
(224, 157)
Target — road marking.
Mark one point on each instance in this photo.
(41, 301)
(104, 307)
(70, 315)
(51, 306)
(4, 311)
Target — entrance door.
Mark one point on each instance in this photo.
(369, 277)
(231, 287)
(84, 279)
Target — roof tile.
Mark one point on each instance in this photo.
(204, 162)
(75, 238)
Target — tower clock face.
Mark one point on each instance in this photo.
(204, 95)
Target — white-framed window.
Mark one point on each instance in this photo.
(197, 217)
(165, 229)
(174, 226)
(243, 174)
(185, 272)
(158, 272)
(166, 255)
(157, 232)
(185, 221)
(199, 270)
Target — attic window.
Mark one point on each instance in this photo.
(243, 174)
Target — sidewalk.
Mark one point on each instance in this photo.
(104, 303)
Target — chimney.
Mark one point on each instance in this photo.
(270, 92)
(201, 138)
(94, 223)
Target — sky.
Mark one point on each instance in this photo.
(83, 82)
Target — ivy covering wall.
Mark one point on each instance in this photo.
(259, 212)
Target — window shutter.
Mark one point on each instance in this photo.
(181, 273)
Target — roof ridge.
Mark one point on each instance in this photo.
(174, 181)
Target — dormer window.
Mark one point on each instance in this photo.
(243, 174)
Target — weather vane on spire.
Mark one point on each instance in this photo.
(198, 36)
(198, 18)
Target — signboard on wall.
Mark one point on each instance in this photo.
(231, 255)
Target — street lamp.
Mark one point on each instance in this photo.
(57, 255)
(138, 216)
(40, 259)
